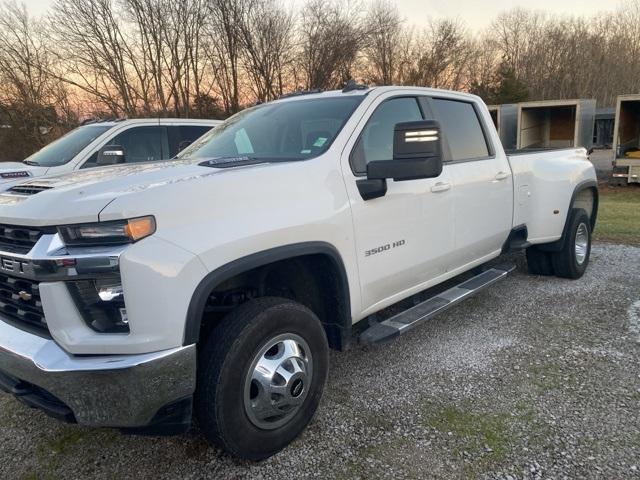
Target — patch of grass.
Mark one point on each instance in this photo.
(67, 440)
(476, 430)
(379, 422)
(619, 215)
(546, 376)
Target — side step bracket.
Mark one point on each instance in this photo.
(403, 322)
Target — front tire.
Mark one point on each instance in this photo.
(261, 374)
(572, 260)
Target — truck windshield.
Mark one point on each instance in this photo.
(65, 148)
(293, 130)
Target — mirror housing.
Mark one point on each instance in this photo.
(111, 155)
(417, 153)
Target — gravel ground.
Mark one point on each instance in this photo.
(533, 378)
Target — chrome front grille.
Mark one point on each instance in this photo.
(20, 301)
(18, 239)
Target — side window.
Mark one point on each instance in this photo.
(143, 144)
(184, 135)
(92, 161)
(462, 129)
(376, 139)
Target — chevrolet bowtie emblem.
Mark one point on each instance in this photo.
(25, 296)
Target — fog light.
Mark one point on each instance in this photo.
(110, 293)
(101, 303)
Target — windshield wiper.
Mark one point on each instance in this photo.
(31, 162)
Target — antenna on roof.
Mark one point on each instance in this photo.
(351, 85)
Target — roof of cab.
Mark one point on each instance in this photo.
(365, 91)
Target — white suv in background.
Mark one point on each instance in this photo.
(140, 140)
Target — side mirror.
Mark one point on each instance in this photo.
(417, 153)
(111, 155)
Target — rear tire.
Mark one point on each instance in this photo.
(261, 374)
(573, 259)
(539, 262)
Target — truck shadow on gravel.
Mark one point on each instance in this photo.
(535, 377)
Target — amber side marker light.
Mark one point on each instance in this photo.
(138, 228)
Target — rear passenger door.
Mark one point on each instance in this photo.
(482, 181)
(144, 144)
(181, 136)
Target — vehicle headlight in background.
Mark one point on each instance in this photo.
(108, 233)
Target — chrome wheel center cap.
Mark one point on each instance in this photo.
(276, 384)
(297, 388)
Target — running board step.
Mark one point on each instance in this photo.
(401, 323)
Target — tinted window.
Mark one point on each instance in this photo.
(184, 135)
(462, 129)
(291, 130)
(143, 144)
(65, 148)
(376, 139)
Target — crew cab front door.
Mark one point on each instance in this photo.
(144, 143)
(404, 238)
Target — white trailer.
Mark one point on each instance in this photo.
(626, 141)
(556, 124)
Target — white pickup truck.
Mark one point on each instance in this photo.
(134, 295)
(91, 145)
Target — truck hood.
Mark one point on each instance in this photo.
(80, 196)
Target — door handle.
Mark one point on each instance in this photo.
(502, 176)
(441, 187)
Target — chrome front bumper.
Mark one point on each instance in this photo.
(101, 391)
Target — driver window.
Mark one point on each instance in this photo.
(376, 139)
(141, 144)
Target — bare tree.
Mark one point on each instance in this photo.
(167, 40)
(224, 48)
(267, 43)
(384, 42)
(444, 56)
(204, 57)
(330, 37)
(32, 101)
(95, 56)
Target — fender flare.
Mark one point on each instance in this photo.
(195, 311)
(584, 185)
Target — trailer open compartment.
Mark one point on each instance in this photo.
(556, 124)
(626, 146)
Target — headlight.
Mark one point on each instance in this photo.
(108, 233)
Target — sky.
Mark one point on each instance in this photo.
(477, 14)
